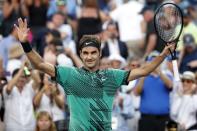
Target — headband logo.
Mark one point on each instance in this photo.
(87, 43)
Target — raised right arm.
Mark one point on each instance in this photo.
(39, 63)
(32, 55)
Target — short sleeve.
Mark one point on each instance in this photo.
(62, 74)
(120, 76)
(114, 14)
(5, 94)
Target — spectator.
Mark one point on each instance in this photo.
(154, 90)
(90, 19)
(122, 107)
(183, 102)
(171, 126)
(154, 3)
(67, 7)
(133, 122)
(12, 10)
(122, 111)
(68, 58)
(152, 42)
(15, 60)
(117, 61)
(130, 32)
(47, 37)
(50, 51)
(57, 23)
(6, 44)
(19, 91)
(61, 6)
(189, 56)
(189, 28)
(49, 98)
(56, 54)
(113, 45)
(105, 63)
(37, 14)
(44, 122)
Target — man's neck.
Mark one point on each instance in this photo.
(20, 89)
(91, 69)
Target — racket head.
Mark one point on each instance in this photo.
(168, 22)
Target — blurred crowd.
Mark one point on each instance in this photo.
(31, 101)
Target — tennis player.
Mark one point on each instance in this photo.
(90, 91)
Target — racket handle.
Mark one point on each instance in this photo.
(175, 70)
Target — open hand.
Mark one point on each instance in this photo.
(22, 30)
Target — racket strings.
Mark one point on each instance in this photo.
(168, 22)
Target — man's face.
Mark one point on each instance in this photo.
(116, 64)
(187, 84)
(105, 63)
(186, 20)
(90, 56)
(148, 15)
(22, 81)
(58, 20)
(112, 31)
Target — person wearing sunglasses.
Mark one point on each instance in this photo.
(183, 102)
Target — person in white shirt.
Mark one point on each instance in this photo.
(18, 96)
(51, 98)
(183, 102)
(129, 25)
(123, 110)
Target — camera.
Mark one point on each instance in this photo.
(26, 71)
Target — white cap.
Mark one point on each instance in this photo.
(118, 58)
(188, 75)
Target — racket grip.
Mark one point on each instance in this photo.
(175, 70)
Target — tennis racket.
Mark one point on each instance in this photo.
(168, 22)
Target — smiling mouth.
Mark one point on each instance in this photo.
(90, 62)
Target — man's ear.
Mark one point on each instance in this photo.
(80, 52)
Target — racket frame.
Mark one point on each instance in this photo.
(173, 53)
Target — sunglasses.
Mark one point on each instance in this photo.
(187, 81)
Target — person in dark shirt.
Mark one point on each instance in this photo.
(113, 44)
(152, 42)
(189, 58)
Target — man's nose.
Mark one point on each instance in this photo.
(89, 56)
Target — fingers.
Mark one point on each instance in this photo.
(20, 23)
(25, 23)
(15, 26)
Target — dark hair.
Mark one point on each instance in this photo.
(54, 33)
(91, 3)
(56, 42)
(15, 72)
(90, 38)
